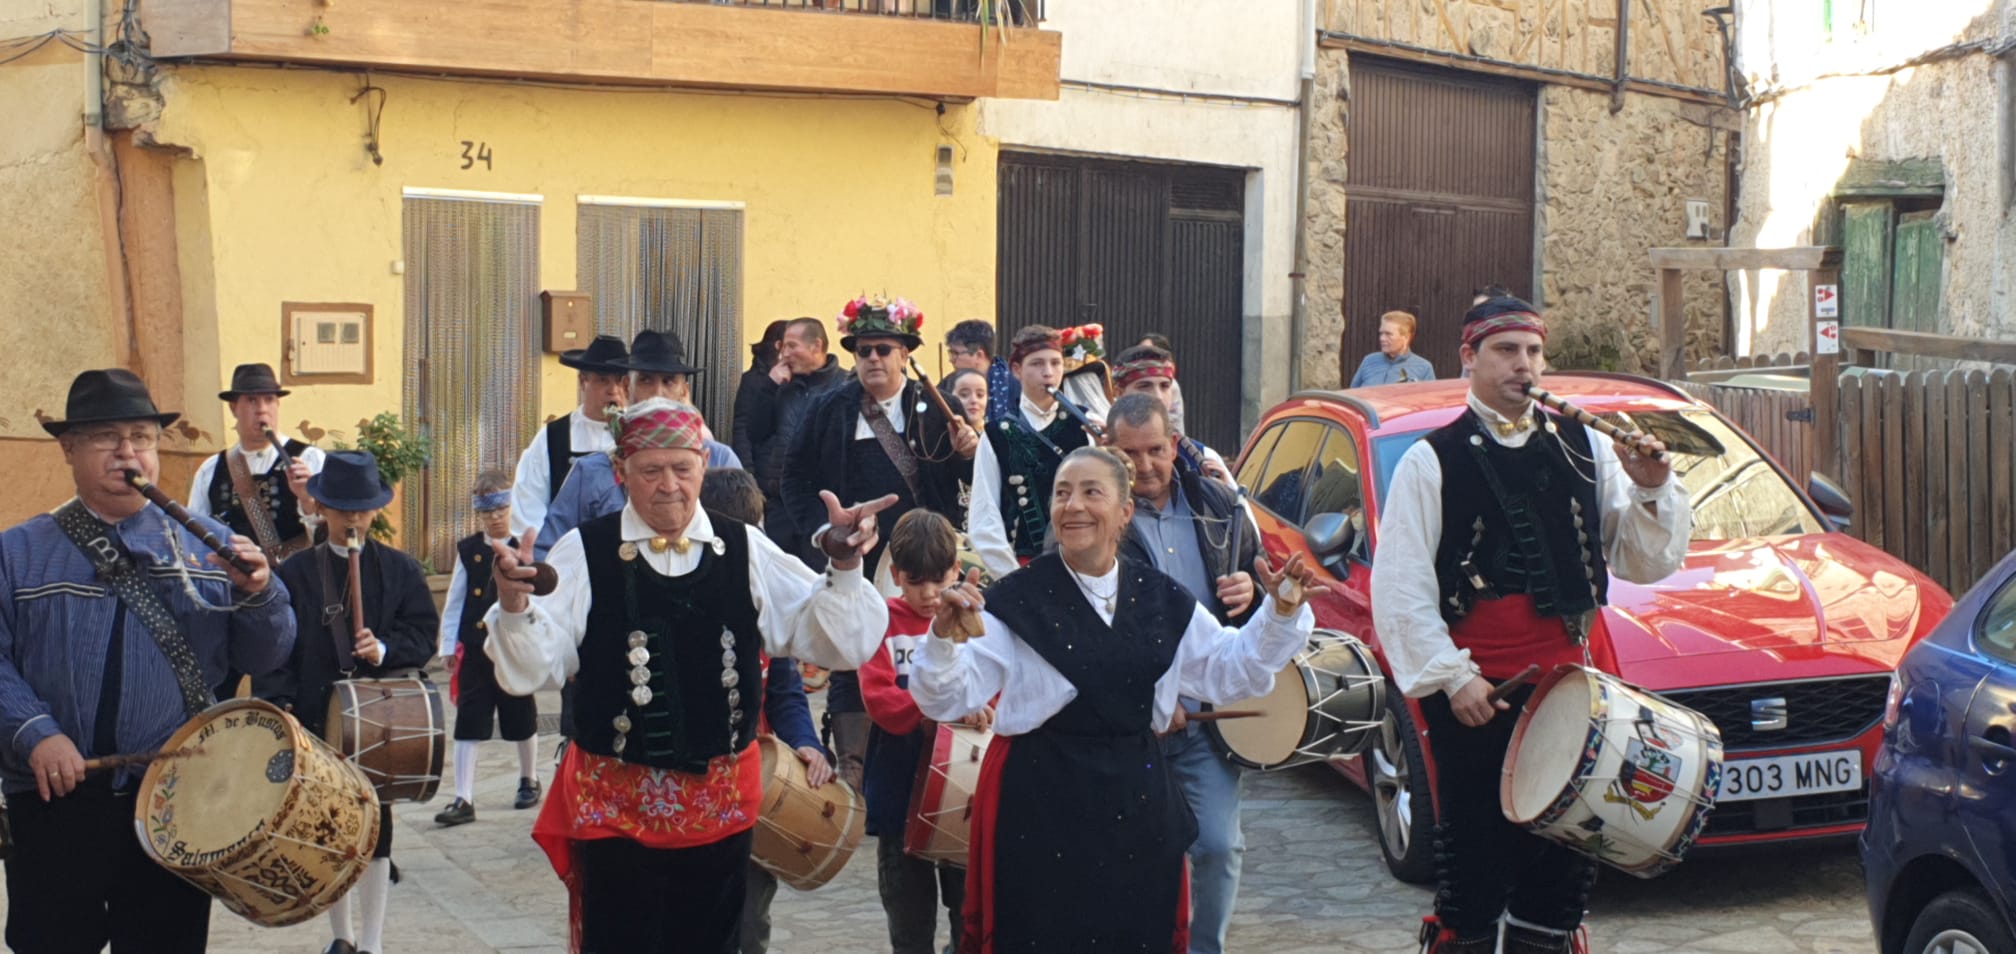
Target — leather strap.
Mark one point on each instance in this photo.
(336, 616)
(892, 443)
(117, 569)
(264, 532)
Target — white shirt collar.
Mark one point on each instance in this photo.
(1494, 420)
(262, 460)
(1038, 417)
(699, 529)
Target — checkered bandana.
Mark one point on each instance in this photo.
(659, 424)
(1477, 331)
(1052, 343)
(1125, 375)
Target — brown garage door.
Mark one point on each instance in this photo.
(1439, 201)
(1138, 247)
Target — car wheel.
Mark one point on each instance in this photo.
(1397, 773)
(1959, 922)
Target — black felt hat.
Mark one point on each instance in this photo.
(253, 379)
(113, 394)
(657, 352)
(604, 354)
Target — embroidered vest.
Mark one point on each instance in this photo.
(274, 494)
(1028, 468)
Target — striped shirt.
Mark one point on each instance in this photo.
(56, 624)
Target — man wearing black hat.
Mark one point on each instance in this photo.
(114, 625)
(396, 636)
(876, 434)
(265, 466)
(1499, 536)
(658, 368)
(543, 468)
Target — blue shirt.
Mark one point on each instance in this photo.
(56, 632)
(591, 491)
(1171, 535)
(1379, 369)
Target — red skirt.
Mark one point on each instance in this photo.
(1504, 636)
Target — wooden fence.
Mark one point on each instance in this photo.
(1779, 420)
(1929, 458)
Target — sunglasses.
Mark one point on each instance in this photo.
(879, 350)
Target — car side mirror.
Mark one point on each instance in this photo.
(1327, 534)
(1832, 500)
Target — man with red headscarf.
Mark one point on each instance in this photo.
(660, 614)
(1500, 532)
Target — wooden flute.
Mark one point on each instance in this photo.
(938, 397)
(1587, 419)
(286, 462)
(1098, 431)
(182, 516)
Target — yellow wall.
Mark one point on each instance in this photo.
(280, 202)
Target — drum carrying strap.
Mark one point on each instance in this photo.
(336, 616)
(117, 568)
(892, 443)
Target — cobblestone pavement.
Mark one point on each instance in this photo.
(1313, 883)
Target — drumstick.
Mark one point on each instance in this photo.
(1218, 714)
(1509, 686)
(137, 758)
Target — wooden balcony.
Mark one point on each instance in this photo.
(754, 46)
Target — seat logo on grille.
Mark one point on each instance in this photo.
(1769, 715)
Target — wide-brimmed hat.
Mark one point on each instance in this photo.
(252, 379)
(350, 481)
(657, 352)
(113, 394)
(876, 318)
(604, 354)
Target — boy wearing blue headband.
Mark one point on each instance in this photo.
(480, 705)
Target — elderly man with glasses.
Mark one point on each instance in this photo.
(115, 625)
(876, 434)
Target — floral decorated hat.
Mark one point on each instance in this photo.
(1083, 344)
(866, 317)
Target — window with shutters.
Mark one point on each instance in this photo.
(1886, 217)
(670, 267)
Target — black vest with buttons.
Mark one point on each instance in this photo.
(1510, 514)
(694, 685)
(275, 494)
(477, 593)
(1028, 469)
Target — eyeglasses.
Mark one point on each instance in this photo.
(142, 439)
(879, 350)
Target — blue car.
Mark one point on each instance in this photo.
(1940, 847)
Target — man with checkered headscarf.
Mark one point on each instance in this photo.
(660, 614)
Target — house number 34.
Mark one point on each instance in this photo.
(475, 152)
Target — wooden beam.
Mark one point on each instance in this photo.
(1863, 341)
(1800, 258)
(1477, 64)
(703, 45)
(1672, 325)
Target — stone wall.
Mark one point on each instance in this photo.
(1614, 186)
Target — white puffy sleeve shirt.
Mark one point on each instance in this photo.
(1218, 664)
(833, 619)
(532, 486)
(1641, 544)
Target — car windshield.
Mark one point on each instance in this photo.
(1736, 492)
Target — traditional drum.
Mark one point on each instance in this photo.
(262, 816)
(1327, 704)
(804, 835)
(941, 802)
(393, 730)
(1617, 774)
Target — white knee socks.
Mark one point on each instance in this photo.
(528, 749)
(373, 891)
(465, 771)
(339, 918)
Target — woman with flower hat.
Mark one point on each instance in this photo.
(1008, 516)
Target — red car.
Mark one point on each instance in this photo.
(1780, 628)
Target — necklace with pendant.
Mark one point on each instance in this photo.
(1105, 599)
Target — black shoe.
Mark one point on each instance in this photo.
(458, 812)
(528, 793)
(340, 946)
